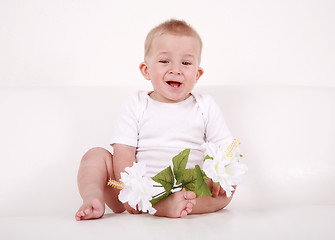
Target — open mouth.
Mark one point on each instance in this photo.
(174, 84)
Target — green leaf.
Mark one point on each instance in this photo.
(201, 188)
(165, 178)
(189, 179)
(208, 157)
(179, 164)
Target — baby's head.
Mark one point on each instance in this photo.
(173, 27)
(171, 61)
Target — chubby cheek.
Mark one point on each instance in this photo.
(158, 74)
(192, 78)
(191, 73)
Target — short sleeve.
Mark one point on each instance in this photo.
(126, 128)
(216, 129)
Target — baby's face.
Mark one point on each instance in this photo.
(172, 66)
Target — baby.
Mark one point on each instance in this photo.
(155, 126)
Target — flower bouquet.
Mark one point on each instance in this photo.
(221, 164)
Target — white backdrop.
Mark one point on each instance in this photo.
(286, 132)
(98, 43)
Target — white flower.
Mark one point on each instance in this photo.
(223, 168)
(138, 190)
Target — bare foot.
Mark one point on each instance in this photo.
(91, 210)
(177, 205)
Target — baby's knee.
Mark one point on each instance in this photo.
(97, 153)
(97, 150)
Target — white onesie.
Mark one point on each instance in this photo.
(159, 131)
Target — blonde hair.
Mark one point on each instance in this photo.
(172, 26)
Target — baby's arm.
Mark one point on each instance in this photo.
(124, 156)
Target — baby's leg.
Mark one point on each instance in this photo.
(95, 169)
(177, 205)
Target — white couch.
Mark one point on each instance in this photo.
(287, 135)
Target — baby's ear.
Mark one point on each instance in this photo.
(199, 73)
(144, 70)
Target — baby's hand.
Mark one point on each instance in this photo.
(215, 189)
(130, 209)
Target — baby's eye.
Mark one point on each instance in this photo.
(163, 61)
(186, 63)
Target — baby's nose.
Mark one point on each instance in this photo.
(175, 71)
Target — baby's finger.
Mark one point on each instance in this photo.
(222, 191)
(130, 209)
(136, 211)
(209, 182)
(215, 190)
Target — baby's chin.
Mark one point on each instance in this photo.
(179, 98)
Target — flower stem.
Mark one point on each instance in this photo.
(159, 194)
(179, 186)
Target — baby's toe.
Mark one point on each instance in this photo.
(193, 202)
(183, 213)
(78, 216)
(189, 208)
(88, 211)
(189, 195)
(189, 205)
